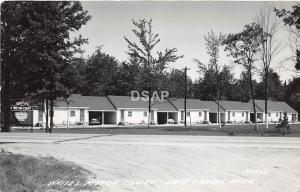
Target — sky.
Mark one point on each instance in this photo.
(180, 25)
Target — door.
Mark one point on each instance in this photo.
(82, 115)
(122, 115)
(152, 116)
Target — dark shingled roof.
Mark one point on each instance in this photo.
(112, 103)
(212, 106)
(235, 105)
(125, 102)
(191, 104)
(274, 106)
(194, 104)
(164, 105)
(100, 103)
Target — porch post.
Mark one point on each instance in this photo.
(167, 117)
(102, 119)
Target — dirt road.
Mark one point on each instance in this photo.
(172, 163)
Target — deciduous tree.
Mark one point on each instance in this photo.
(270, 47)
(44, 44)
(213, 44)
(100, 71)
(243, 47)
(292, 19)
(152, 66)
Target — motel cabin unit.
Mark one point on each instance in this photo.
(166, 112)
(131, 111)
(236, 111)
(136, 111)
(276, 110)
(212, 107)
(196, 111)
(114, 110)
(85, 110)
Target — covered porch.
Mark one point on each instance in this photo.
(167, 117)
(102, 117)
(213, 117)
(259, 117)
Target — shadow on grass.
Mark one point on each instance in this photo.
(26, 173)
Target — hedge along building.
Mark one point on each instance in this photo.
(276, 110)
(79, 109)
(197, 111)
(136, 111)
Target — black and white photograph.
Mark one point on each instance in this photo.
(150, 96)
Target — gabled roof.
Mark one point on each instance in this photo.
(125, 102)
(275, 106)
(164, 105)
(212, 106)
(194, 104)
(100, 103)
(191, 104)
(235, 105)
(257, 108)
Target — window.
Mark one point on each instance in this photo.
(276, 114)
(188, 114)
(200, 114)
(72, 113)
(182, 115)
(145, 113)
(243, 114)
(129, 113)
(233, 114)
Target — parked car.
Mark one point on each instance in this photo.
(171, 121)
(259, 120)
(79, 123)
(94, 121)
(123, 123)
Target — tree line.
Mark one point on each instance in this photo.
(39, 63)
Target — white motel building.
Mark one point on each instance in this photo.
(122, 110)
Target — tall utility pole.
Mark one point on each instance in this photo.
(68, 103)
(218, 97)
(266, 99)
(185, 90)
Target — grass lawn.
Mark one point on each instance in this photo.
(238, 130)
(20, 173)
